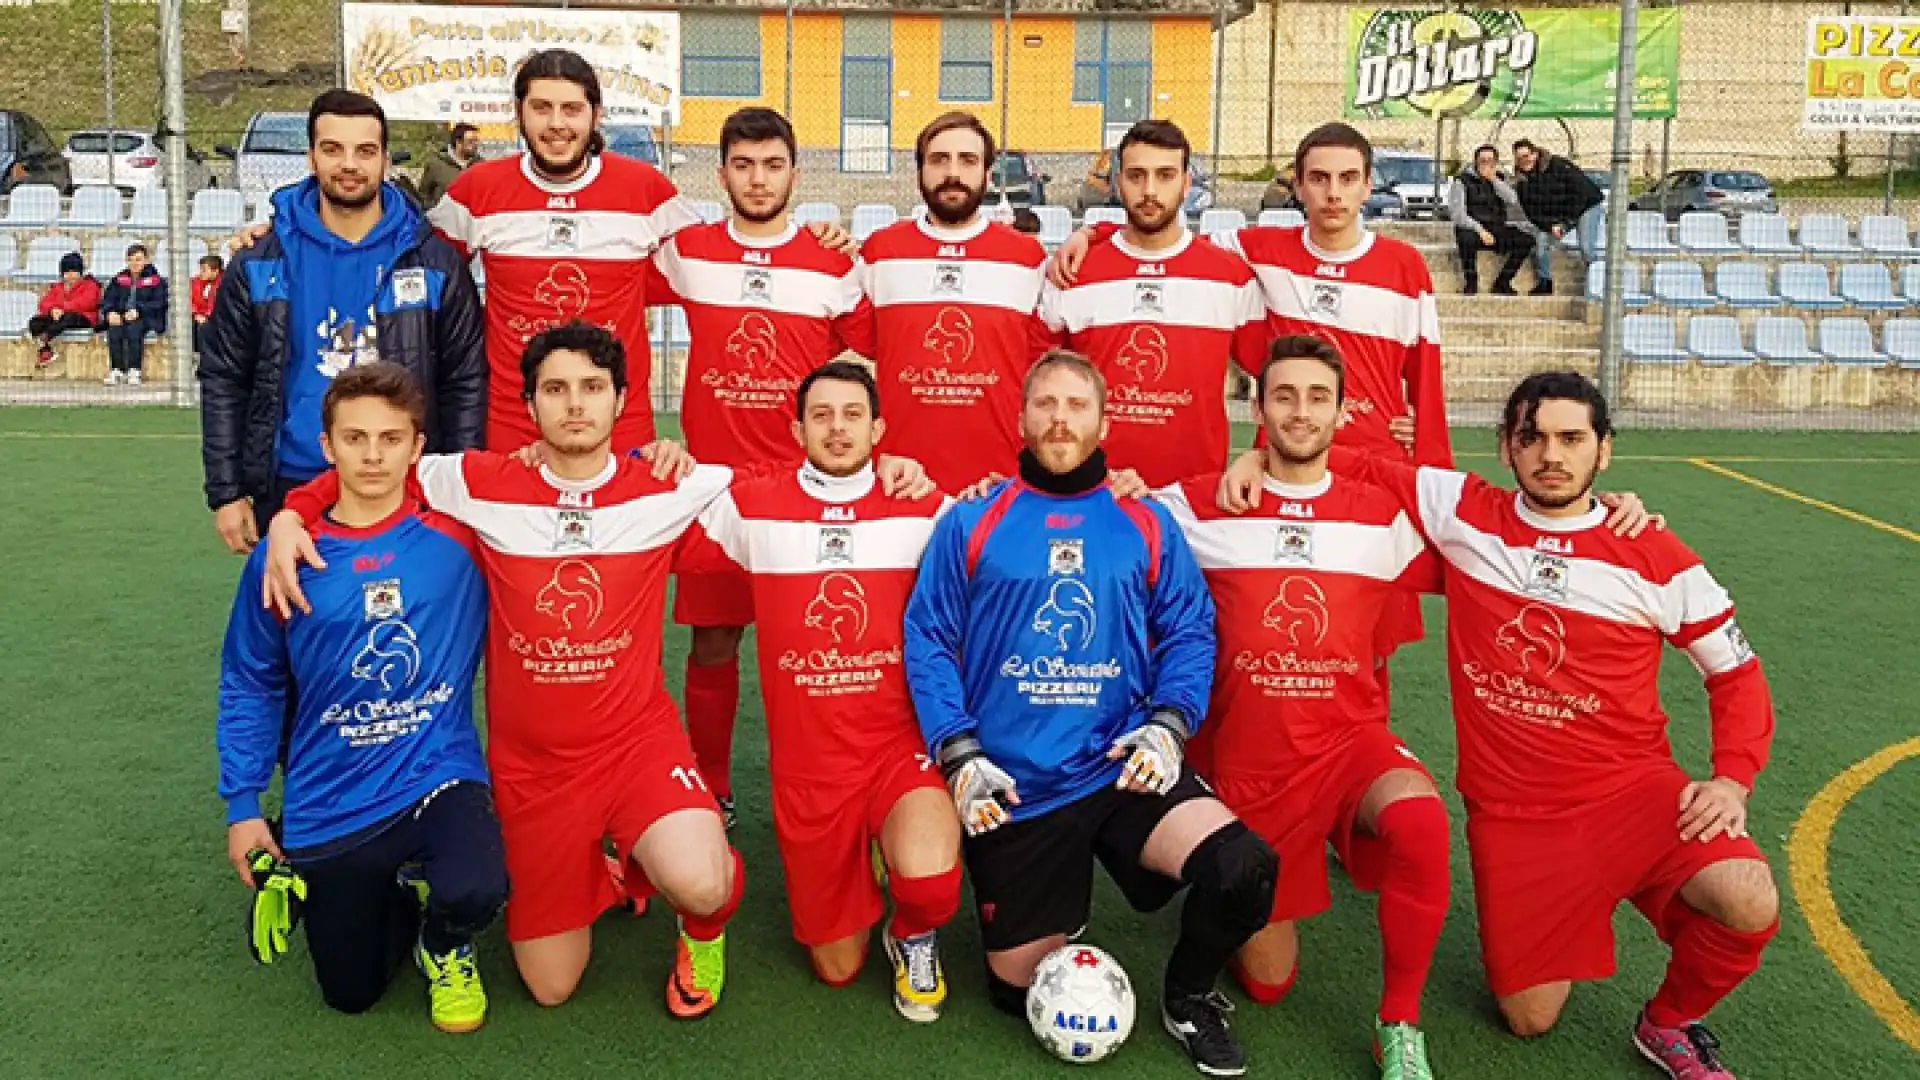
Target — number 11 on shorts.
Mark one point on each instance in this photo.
(689, 778)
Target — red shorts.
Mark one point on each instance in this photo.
(826, 831)
(554, 828)
(720, 598)
(1316, 805)
(1546, 885)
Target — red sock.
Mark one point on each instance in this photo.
(1264, 993)
(710, 926)
(921, 904)
(1413, 901)
(1709, 960)
(713, 696)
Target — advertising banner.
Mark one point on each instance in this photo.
(1862, 73)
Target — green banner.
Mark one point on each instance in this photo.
(1498, 63)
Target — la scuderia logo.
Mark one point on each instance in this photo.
(1443, 63)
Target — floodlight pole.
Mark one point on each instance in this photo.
(1613, 305)
(179, 270)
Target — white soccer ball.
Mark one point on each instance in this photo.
(1080, 1004)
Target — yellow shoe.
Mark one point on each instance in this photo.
(919, 984)
(453, 982)
(699, 974)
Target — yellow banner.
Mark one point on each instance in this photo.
(1863, 74)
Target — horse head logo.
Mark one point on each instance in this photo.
(839, 608)
(1067, 617)
(951, 336)
(391, 656)
(1298, 610)
(1537, 639)
(573, 594)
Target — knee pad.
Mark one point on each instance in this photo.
(1006, 997)
(1237, 872)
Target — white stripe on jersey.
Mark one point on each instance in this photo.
(1363, 309)
(983, 283)
(1186, 301)
(599, 235)
(1720, 650)
(450, 217)
(806, 293)
(1382, 552)
(794, 547)
(646, 523)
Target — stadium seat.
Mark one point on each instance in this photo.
(217, 210)
(1805, 285)
(1886, 235)
(43, 259)
(1766, 234)
(149, 212)
(1901, 339)
(1703, 232)
(262, 210)
(1869, 286)
(1098, 215)
(1681, 284)
(1826, 234)
(196, 250)
(1783, 339)
(1649, 339)
(1647, 233)
(32, 206)
(108, 255)
(1744, 285)
(1286, 218)
(1910, 282)
(1847, 339)
(94, 206)
(808, 213)
(711, 211)
(870, 218)
(1221, 221)
(1715, 339)
(1630, 285)
(1056, 224)
(9, 257)
(16, 308)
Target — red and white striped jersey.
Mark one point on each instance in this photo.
(554, 253)
(832, 561)
(950, 325)
(761, 313)
(1161, 327)
(1299, 588)
(1375, 304)
(1554, 629)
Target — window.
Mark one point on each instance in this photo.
(720, 54)
(966, 60)
(1113, 64)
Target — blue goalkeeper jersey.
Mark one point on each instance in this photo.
(1049, 626)
(381, 674)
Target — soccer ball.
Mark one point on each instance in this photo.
(1080, 1004)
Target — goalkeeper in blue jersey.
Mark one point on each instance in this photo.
(1060, 650)
(389, 846)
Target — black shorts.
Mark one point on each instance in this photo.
(1033, 879)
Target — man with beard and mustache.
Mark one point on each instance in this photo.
(1160, 311)
(949, 316)
(347, 273)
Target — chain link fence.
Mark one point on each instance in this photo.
(1711, 316)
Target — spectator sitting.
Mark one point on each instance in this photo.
(1486, 216)
(205, 284)
(1026, 221)
(1555, 193)
(135, 302)
(72, 303)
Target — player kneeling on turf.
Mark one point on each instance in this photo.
(1060, 649)
(385, 787)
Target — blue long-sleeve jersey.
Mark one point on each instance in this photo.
(1050, 626)
(381, 673)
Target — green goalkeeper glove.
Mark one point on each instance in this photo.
(278, 893)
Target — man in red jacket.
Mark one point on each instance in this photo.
(72, 303)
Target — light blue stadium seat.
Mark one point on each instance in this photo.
(1910, 282)
(710, 211)
(1221, 220)
(1647, 234)
(1847, 339)
(1869, 287)
(1104, 214)
(1826, 234)
(1886, 235)
(1744, 285)
(149, 212)
(808, 213)
(1766, 234)
(1650, 340)
(43, 259)
(16, 307)
(1783, 339)
(94, 206)
(196, 250)
(217, 210)
(1286, 217)
(9, 256)
(1715, 339)
(1901, 339)
(1805, 285)
(108, 256)
(1632, 294)
(1703, 232)
(262, 209)
(870, 218)
(1056, 224)
(32, 206)
(1681, 284)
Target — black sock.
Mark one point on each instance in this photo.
(1231, 876)
(1005, 996)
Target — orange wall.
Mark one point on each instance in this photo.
(1183, 77)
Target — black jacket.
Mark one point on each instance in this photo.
(146, 294)
(244, 356)
(1556, 192)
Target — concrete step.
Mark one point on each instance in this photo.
(1561, 305)
(1487, 373)
(1519, 333)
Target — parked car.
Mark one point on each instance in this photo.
(273, 153)
(1015, 183)
(28, 155)
(137, 160)
(637, 141)
(1408, 175)
(1730, 191)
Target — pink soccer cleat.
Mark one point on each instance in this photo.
(1684, 1053)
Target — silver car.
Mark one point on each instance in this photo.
(1725, 191)
(135, 161)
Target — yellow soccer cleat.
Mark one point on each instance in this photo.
(919, 983)
(453, 984)
(699, 974)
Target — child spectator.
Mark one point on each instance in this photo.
(72, 303)
(205, 284)
(136, 301)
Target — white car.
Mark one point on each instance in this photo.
(137, 161)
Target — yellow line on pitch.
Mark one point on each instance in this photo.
(1818, 504)
(1807, 867)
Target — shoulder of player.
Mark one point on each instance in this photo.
(1656, 555)
(806, 252)
(1004, 243)
(440, 525)
(638, 179)
(1352, 499)
(1204, 258)
(706, 240)
(1272, 243)
(1404, 258)
(480, 186)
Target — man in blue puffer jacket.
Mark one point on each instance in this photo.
(350, 273)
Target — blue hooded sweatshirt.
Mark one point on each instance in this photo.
(330, 320)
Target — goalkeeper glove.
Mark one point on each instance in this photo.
(1154, 752)
(278, 893)
(982, 791)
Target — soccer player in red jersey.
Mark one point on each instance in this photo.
(1298, 745)
(763, 300)
(949, 319)
(1160, 311)
(832, 561)
(1574, 800)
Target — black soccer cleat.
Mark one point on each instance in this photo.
(1199, 1023)
(727, 815)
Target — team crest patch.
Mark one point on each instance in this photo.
(1066, 557)
(1547, 576)
(409, 287)
(949, 279)
(1737, 638)
(1149, 298)
(573, 530)
(1293, 544)
(382, 599)
(836, 546)
(563, 234)
(756, 286)
(1326, 300)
